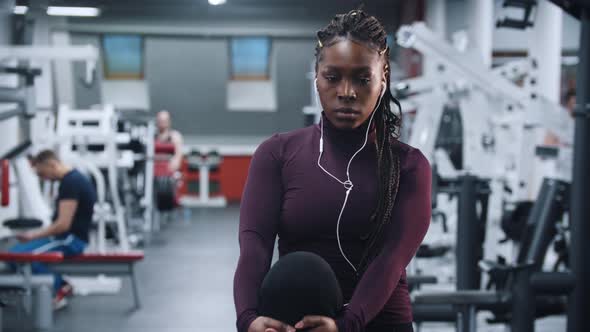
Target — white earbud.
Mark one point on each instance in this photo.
(317, 99)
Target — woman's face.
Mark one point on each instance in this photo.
(349, 82)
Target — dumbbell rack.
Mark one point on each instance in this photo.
(204, 163)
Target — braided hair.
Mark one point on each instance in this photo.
(359, 26)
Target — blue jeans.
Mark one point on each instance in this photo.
(69, 246)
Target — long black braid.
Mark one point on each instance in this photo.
(361, 27)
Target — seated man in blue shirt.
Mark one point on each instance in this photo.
(68, 233)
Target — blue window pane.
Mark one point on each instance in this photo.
(393, 47)
(122, 56)
(250, 57)
(390, 41)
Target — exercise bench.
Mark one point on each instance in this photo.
(114, 264)
(111, 264)
(523, 292)
(38, 285)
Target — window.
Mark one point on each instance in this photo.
(250, 86)
(390, 41)
(250, 58)
(393, 48)
(123, 57)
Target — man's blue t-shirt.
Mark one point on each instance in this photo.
(78, 187)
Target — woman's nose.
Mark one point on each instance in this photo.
(346, 91)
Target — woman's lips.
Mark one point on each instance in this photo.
(347, 113)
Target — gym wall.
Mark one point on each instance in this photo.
(188, 75)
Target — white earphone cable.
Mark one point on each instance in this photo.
(348, 185)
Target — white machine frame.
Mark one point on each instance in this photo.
(87, 53)
(493, 108)
(490, 104)
(25, 96)
(83, 127)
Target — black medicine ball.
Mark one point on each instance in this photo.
(299, 284)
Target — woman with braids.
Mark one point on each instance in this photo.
(346, 190)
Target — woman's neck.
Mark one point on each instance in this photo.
(349, 135)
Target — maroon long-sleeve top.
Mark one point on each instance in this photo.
(289, 196)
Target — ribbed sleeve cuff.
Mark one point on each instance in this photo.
(349, 322)
(245, 319)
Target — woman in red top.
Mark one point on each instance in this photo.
(346, 190)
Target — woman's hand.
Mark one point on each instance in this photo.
(317, 324)
(265, 324)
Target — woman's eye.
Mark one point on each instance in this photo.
(364, 81)
(330, 78)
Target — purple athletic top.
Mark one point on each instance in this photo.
(289, 196)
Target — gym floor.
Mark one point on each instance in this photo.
(186, 285)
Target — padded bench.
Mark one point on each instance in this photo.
(39, 285)
(120, 264)
(417, 280)
(114, 264)
(468, 302)
(464, 302)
